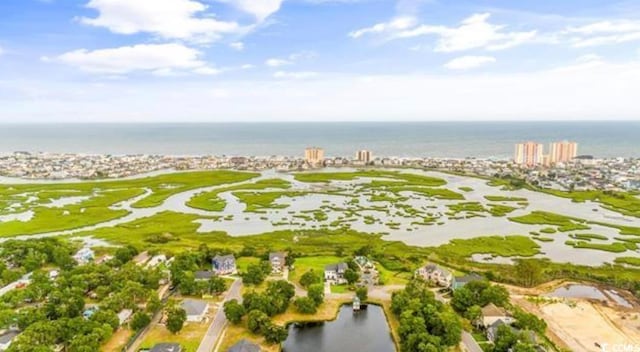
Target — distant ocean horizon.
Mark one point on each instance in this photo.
(388, 139)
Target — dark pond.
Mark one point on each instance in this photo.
(365, 331)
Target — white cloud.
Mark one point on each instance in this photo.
(261, 9)
(1, 51)
(472, 33)
(469, 62)
(295, 75)
(161, 59)
(291, 59)
(396, 24)
(169, 19)
(277, 62)
(239, 46)
(604, 33)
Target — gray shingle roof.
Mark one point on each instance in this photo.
(194, 306)
(244, 346)
(166, 347)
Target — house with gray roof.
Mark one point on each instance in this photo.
(436, 274)
(224, 264)
(244, 346)
(203, 275)
(278, 261)
(166, 347)
(334, 273)
(195, 308)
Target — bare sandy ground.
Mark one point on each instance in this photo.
(578, 324)
(582, 325)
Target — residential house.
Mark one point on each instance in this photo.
(156, 260)
(196, 309)
(334, 273)
(166, 347)
(124, 315)
(436, 274)
(84, 255)
(364, 262)
(278, 261)
(244, 346)
(460, 281)
(492, 313)
(7, 338)
(524, 335)
(224, 264)
(203, 275)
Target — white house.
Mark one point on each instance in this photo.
(492, 313)
(124, 315)
(334, 273)
(84, 255)
(436, 274)
(278, 261)
(196, 309)
(224, 264)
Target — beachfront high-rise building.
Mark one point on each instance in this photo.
(314, 155)
(562, 152)
(528, 154)
(363, 156)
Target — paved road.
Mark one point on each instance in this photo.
(220, 320)
(26, 279)
(469, 343)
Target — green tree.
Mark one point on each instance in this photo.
(362, 293)
(351, 276)
(528, 272)
(234, 311)
(316, 293)
(176, 318)
(217, 285)
(305, 305)
(309, 278)
(139, 321)
(257, 321)
(274, 333)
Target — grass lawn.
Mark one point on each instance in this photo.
(389, 277)
(117, 341)
(340, 289)
(243, 262)
(304, 264)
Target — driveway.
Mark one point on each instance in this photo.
(220, 320)
(469, 344)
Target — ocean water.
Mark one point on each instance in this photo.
(410, 139)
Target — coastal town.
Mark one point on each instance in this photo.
(561, 169)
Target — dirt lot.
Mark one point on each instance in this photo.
(578, 324)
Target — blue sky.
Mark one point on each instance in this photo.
(318, 60)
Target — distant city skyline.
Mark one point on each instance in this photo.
(318, 60)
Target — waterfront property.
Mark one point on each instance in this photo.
(224, 264)
(492, 313)
(334, 273)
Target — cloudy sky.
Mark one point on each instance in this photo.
(318, 60)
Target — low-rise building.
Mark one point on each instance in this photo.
(334, 273)
(224, 264)
(436, 274)
(124, 315)
(492, 313)
(244, 345)
(203, 275)
(195, 309)
(278, 261)
(166, 347)
(84, 255)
